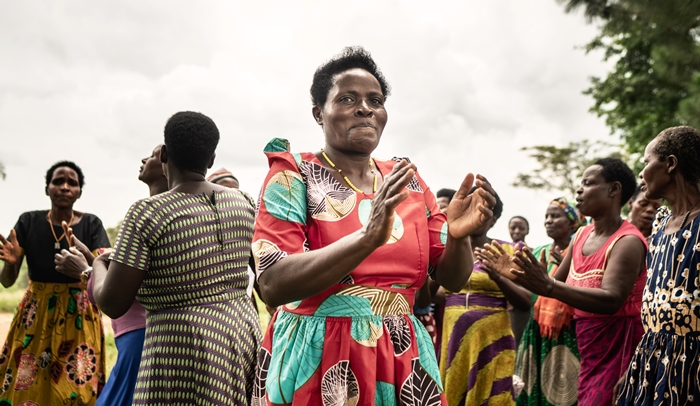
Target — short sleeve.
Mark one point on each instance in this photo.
(280, 225)
(98, 235)
(133, 243)
(22, 228)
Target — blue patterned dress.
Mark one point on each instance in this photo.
(665, 369)
(202, 332)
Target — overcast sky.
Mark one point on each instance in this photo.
(473, 81)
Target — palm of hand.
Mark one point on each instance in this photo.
(9, 253)
(464, 216)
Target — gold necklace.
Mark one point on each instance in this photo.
(340, 172)
(57, 244)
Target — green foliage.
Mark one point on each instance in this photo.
(2, 171)
(112, 233)
(560, 169)
(655, 82)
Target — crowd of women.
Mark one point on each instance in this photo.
(344, 248)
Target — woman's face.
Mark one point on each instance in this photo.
(655, 173)
(643, 212)
(593, 196)
(353, 117)
(517, 228)
(557, 223)
(64, 188)
(151, 169)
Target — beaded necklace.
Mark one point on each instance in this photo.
(340, 171)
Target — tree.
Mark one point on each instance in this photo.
(560, 169)
(655, 82)
(112, 233)
(2, 171)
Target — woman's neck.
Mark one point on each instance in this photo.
(158, 187)
(356, 164)
(682, 197)
(59, 214)
(606, 224)
(186, 181)
(562, 242)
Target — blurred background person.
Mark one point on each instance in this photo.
(518, 228)
(54, 352)
(665, 368)
(224, 177)
(643, 212)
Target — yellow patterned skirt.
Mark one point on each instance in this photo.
(54, 352)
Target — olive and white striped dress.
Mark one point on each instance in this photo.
(202, 333)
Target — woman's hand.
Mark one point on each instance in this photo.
(381, 219)
(468, 212)
(73, 241)
(10, 251)
(531, 273)
(556, 255)
(495, 259)
(71, 262)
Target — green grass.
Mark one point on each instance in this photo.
(110, 352)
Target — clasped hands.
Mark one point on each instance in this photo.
(522, 267)
(74, 260)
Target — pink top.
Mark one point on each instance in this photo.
(587, 270)
(133, 319)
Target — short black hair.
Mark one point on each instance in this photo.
(498, 208)
(448, 193)
(615, 170)
(636, 193)
(350, 58)
(527, 223)
(684, 143)
(191, 139)
(69, 164)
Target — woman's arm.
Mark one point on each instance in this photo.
(465, 214)
(303, 275)
(114, 285)
(623, 268)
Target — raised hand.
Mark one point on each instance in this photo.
(531, 272)
(392, 192)
(10, 252)
(496, 259)
(468, 212)
(73, 241)
(556, 255)
(68, 231)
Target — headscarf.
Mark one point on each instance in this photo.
(222, 173)
(570, 211)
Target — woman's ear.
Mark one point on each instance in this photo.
(671, 163)
(163, 154)
(615, 189)
(316, 112)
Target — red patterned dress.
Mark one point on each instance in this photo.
(606, 342)
(356, 343)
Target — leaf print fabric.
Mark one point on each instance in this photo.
(357, 342)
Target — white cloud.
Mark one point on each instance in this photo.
(94, 82)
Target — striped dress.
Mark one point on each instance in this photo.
(477, 357)
(202, 333)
